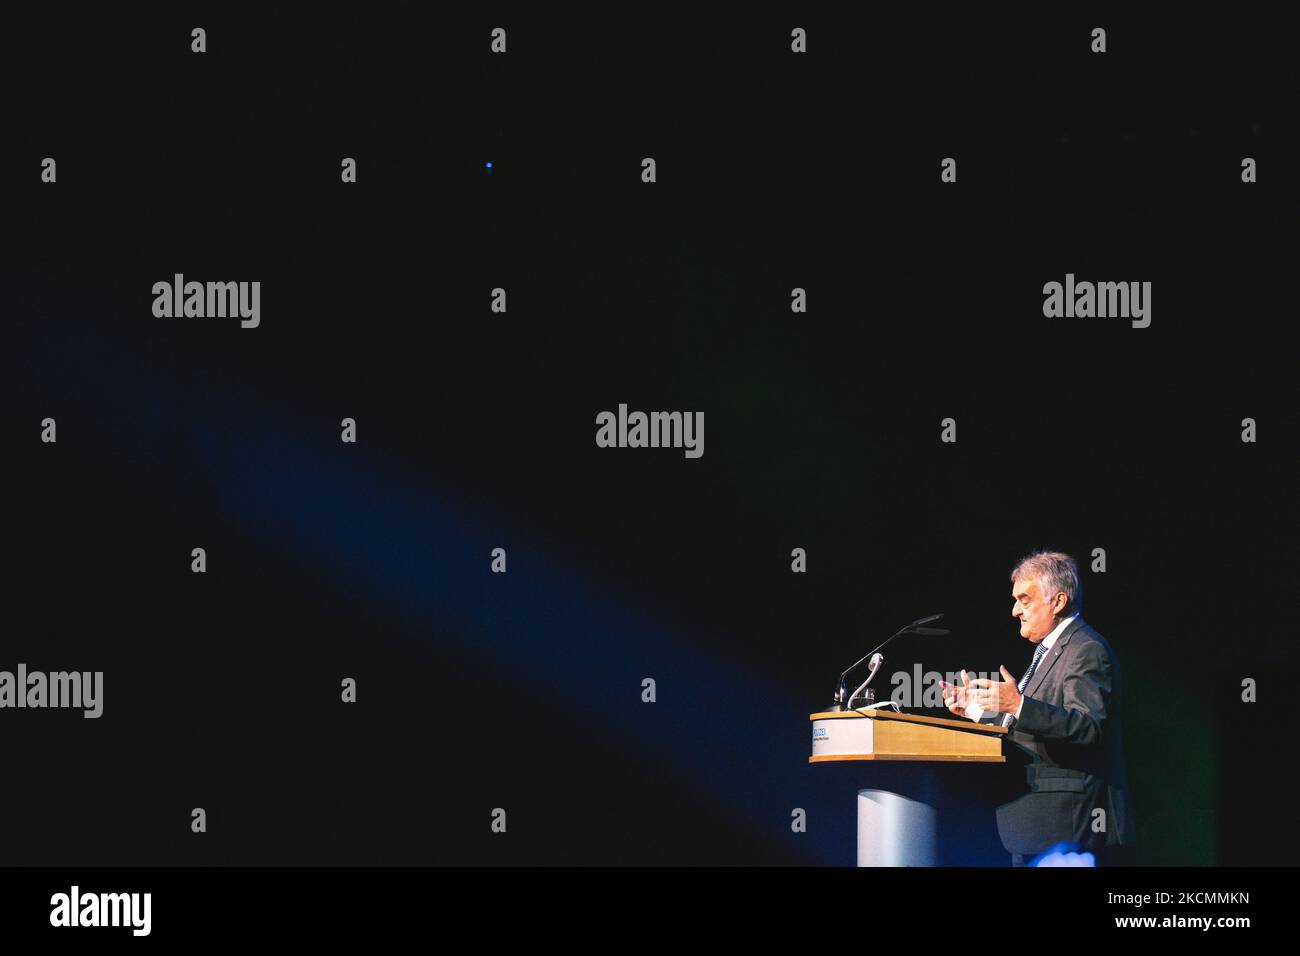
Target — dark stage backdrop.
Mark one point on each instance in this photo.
(476, 429)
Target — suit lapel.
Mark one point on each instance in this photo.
(1051, 656)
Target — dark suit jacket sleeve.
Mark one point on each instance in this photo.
(1087, 689)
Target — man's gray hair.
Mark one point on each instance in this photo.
(1055, 572)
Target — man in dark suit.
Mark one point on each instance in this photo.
(1064, 722)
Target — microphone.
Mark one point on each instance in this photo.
(916, 627)
(876, 661)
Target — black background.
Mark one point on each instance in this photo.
(775, 171)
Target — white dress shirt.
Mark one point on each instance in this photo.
(1048, 641)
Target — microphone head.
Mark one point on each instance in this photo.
(928, 620)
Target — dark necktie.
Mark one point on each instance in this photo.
(1024, 681)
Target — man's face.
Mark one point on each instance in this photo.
(1037, 614)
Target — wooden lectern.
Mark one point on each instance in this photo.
(898, 817)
